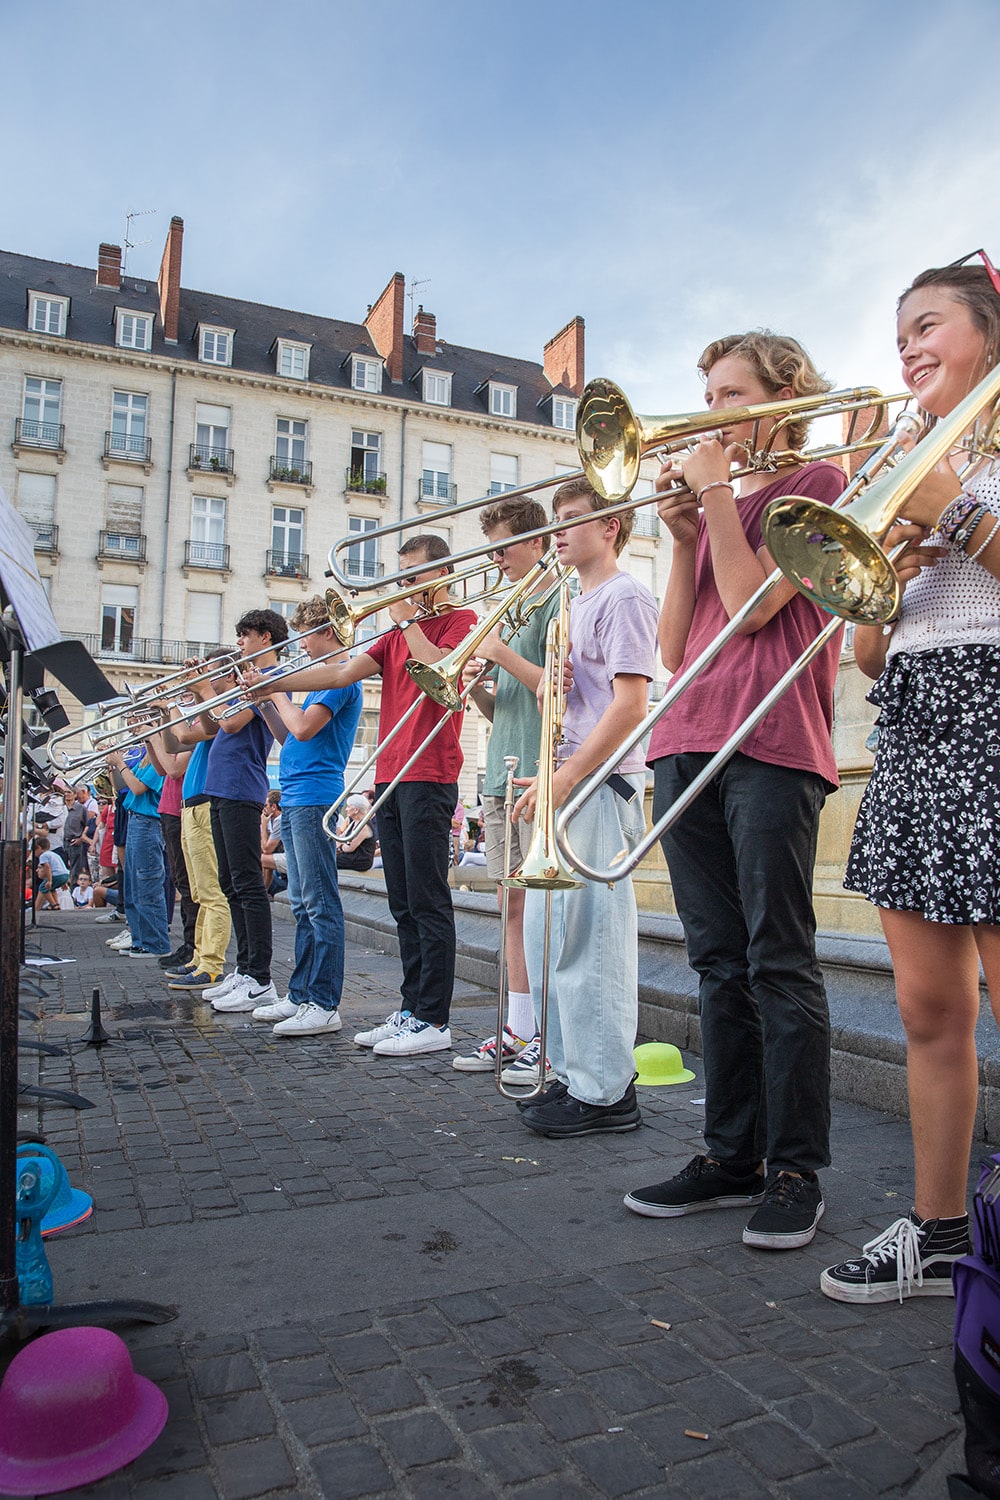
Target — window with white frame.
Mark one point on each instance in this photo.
(435, 479)
(366, 374)
(119, 605)
(503, 400)
(215, 345)
(362, 556)
(207, 546)
(47, 314)
(203, 615)
(366, 462)
(563, 413)
(211, 436)
(36, 501)
(133, 330)
(290, 443)
(503, 473)
(42, 407)
(128, 423)
(286, 609)
(293, 360)
(437, 388)
(287, 534)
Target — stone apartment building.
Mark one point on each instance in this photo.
(182, 456)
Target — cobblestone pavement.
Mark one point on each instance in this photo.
(387, 1286)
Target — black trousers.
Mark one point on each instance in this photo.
(171, 825)
(236, 835)
(414, 829)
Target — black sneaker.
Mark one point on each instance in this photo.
(565, 1116)
(788, 1216)
(912, 1258)
(554, 1090)
(176, 960)
(703, 1183)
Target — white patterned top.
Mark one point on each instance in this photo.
(956, 602)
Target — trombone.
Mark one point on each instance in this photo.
(613, 443)
(345, 618)
(835, 557)
(541, 869)
(890, 452)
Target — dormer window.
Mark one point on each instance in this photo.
(437, 388)
(563, 413)
(133, 330)
(366, 374)
(293, 359)
(215, 345)
(503, 400)
(47, 314)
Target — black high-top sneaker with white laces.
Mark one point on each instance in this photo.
(912, 1258)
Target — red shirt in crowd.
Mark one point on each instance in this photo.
(442, 760)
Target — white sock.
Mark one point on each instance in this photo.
(521, 1015)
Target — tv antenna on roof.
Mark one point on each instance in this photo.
(128, 243)
(413, 287)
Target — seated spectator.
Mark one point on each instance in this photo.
(53, 874)
(355, 852)
(106, 891)
(83, 892)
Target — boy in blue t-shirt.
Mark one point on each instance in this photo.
(53, 873)
(316, 740)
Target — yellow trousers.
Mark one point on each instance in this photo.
(214, 925)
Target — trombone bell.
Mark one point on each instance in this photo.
(441, 685)
(833, 559)
(608, 436)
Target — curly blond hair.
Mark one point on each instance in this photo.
(777, 361)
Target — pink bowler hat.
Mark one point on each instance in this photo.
(72, 1409)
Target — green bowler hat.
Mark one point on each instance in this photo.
(660, 1063)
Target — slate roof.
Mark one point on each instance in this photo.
(91, 321)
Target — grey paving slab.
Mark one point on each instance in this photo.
(386, 1286)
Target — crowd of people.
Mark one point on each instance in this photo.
(740, 858)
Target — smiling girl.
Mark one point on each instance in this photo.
(926, 849)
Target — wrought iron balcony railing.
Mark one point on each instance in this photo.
(438, 488)
(129, 446)
(124, 546)
(363, 568)
(290, 471)
(360, 483)
(46, 537)
(39, 434)
(213, 460)
(280, 564)
(207, 555)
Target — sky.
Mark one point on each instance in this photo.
(670, 171)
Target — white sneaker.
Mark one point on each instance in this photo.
(279, 1011)
(309, 1020)
(524, 1069)
(122, 943)
(389, 1027)
(222, 986)
(111, 915)
(237, 996)
(412, 1037)
(483, 1060)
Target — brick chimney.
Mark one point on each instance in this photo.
(169, 280)
(563, 359)
(109, 266)
(425, 332)
(385, 326)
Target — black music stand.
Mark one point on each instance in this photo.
(27, 626)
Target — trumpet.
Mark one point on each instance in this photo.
(614, 442)
(835, 557)
(890, 453)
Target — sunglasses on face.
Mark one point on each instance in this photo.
(991, 269)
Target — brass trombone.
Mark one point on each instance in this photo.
(613, 442)
(345, 618)
(835, 557)
(890, 453)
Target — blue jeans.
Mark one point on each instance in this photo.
(593, 957)
(741, 865)
(318, 976)
(145, 905)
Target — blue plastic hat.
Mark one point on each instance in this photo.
(71, 1205)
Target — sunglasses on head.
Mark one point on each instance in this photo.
(991, 269)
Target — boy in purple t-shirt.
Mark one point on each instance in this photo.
(593, 967)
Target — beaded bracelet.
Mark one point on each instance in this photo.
(954, 513)
(962, 535)
(983, 545)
